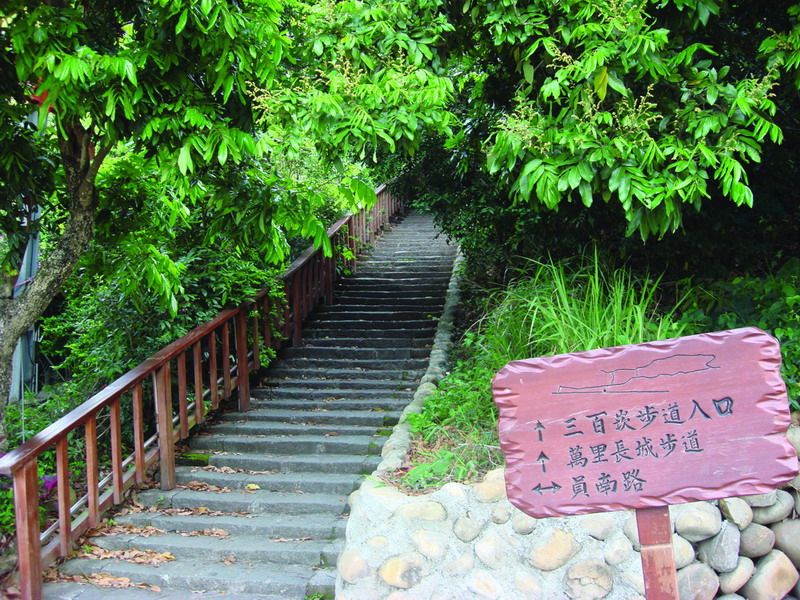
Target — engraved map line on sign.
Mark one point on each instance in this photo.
(670, 366)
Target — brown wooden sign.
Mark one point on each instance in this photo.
(694, 418)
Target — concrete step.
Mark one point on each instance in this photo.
(388, 287)
(310, 352)
(295, 444)
(244, 548)
(400, 270)
(255, 502)
(412, 257)
(333, 404)
(370, 342)
(422, 306)
(268, 527)
(377, 312)
(281, 428)
(278, 372)
(298, 463)
(312, 364)
(394, 299)
(330, 395)
(368, 329)
(86, 591)
(363, 282)
(276, 581)
(341, 384)
(308, 483)
(370, 323)
(345, 417)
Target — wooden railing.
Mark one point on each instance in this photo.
(204, 366)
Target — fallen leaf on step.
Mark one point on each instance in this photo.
(213, 532)
(252, 486)
(331, 434)
(12, 593)
(229, 560)
(200, 486)
(133, 555)
(124, 528)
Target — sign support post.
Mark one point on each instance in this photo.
(658, 560)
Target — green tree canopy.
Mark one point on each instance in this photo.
(635, 112)
(176, 80)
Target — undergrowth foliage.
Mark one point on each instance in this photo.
(770, 302)
(552, 308)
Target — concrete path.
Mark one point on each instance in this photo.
(264, 519)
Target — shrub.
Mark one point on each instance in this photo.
(771, 302)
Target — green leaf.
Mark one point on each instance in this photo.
(181, 21)
(615, 83)
(227, 86)
(587, 174)
(601, 83)
(130, 72)
(586, 193)
(185, 160)
(527, 70)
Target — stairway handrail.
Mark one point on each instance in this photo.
(308, 282)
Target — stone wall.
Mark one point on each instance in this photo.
(467, 541)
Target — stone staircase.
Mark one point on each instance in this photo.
(263, 516)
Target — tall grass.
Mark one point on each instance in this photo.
(570, 307)
(552, 308)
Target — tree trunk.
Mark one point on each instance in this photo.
(18, 314)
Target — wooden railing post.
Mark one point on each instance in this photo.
(242, 362)
(166, 444)
(29, 548)
(116, 451)
(267, 323)
(227, 387)
(92, 471)
(64, 516)
(138, 433)
(297, 310)
(212, 369)
(351, 243)
(329, 271)
(286, 325)
(197, 362)
(256, 328)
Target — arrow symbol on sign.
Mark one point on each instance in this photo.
(542, 459)
(539, 428)
(554, 487)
